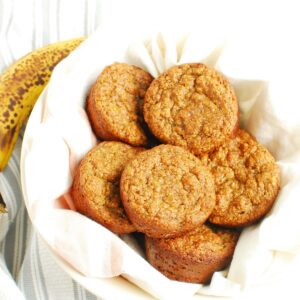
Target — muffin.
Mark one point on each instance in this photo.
(115, 104)
(247, 181)
(192, 106)
(95, 188)
(195, 256)
(166, 191)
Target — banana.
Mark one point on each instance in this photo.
(2, 206)
(20, 86)
(2, 209)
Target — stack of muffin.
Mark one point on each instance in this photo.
(175, 166)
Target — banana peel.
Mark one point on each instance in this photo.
(2, 206)
(2, 209)
(20, 86)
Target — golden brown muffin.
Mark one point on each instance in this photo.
(95, 189)
(166, 191)
(247, 181)
(115, 104)
(195, 256)
(192, 106)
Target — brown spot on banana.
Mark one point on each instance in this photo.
(2, 205)
(20, 86)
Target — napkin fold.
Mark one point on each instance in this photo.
(59, 134)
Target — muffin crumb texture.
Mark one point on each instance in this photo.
(192, 106)
(247, 181)
(115, 104)
(195, 256)
(95, 189)
(166, 191)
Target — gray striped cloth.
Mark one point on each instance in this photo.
(27, 269)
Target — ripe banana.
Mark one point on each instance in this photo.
(20, 86)
(2, 209)
(2, 205)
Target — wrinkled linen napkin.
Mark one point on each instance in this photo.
(59, 134)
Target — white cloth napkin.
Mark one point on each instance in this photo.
(59, 134)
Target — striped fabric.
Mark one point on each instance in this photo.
(27, 269)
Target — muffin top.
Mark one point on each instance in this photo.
(192, 106)
(95, 189)
(247, 181)
(166, 191)
(201, 245)
(115, 103)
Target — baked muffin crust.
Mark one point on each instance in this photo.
(247, 181)
(166, 191)
(195, 256)
(95, 189)
(192, 106)
(115, 104)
